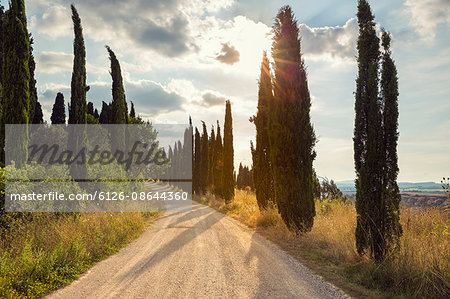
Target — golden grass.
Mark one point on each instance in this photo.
(47, 251)
(420, 269)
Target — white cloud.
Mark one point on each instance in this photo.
(49, 62)
(55, 22)
(427, 14)
(338, 41)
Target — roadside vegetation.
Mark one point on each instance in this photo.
(421, 269)
(41, 252)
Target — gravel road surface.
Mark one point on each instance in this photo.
(199, 253)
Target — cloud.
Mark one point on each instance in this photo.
(229, 54)
(55, 22)
(210, 99)
(49, 62)
(338, 41)
(161, 26)
(427, 14)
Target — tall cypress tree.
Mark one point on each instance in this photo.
(389, 97)
(204, 160)
(262, 173)
(218, 149)
(197, 161)
(77, 108)
(291, 134)
(212, 158)
(59, 110)
(16, 76)
(119, 111)
(32, 84)
(228, 156)
(77, 111)
(368, 140)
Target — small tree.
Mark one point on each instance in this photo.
(59, 110)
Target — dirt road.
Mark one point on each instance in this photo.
(199, 253)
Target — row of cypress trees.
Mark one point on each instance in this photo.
(244, 177)
(285, 139)
(213, 159)
(283, 156)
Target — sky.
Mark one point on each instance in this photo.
(186, 57)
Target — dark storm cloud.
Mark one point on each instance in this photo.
(228, 55)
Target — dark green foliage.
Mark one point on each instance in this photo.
(228, 156)
(375, 142)
(77, 109)
(16, 74)
(291, 134)
(212, 158)
(90, 108)
(262, 172)
(59, 110)
(197, 163)
(105, 114)
(316, 184)
(132, 111)
(2, 14)
(389, 97)
(244, 178)
(218, 163)
(38, 117)
(204, 161)
(96, 115)
(329, 190)
(119, 110)
(32, 85)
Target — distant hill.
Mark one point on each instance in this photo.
(349, 186)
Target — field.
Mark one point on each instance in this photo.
(420, 269)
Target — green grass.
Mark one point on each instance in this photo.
(50, 251)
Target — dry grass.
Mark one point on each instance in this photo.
(48, 251)
(420, 269)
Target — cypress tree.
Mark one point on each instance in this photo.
(32, 84)
(77, 108)
(96, 115)
(292, 137)
(197, 163)
(262, 173)
(119, 111)
(16, 76)
(204, 160)
(59, 110)
(228, 156)
(389, 97)
(105, 114)
(90, 108)
(218, 149)
(368, 143)
(212, 158)
(132, 112)
(77, 111)
(239, 177)
(38, 117)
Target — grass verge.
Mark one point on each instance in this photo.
(420, 270)
(50, 250)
